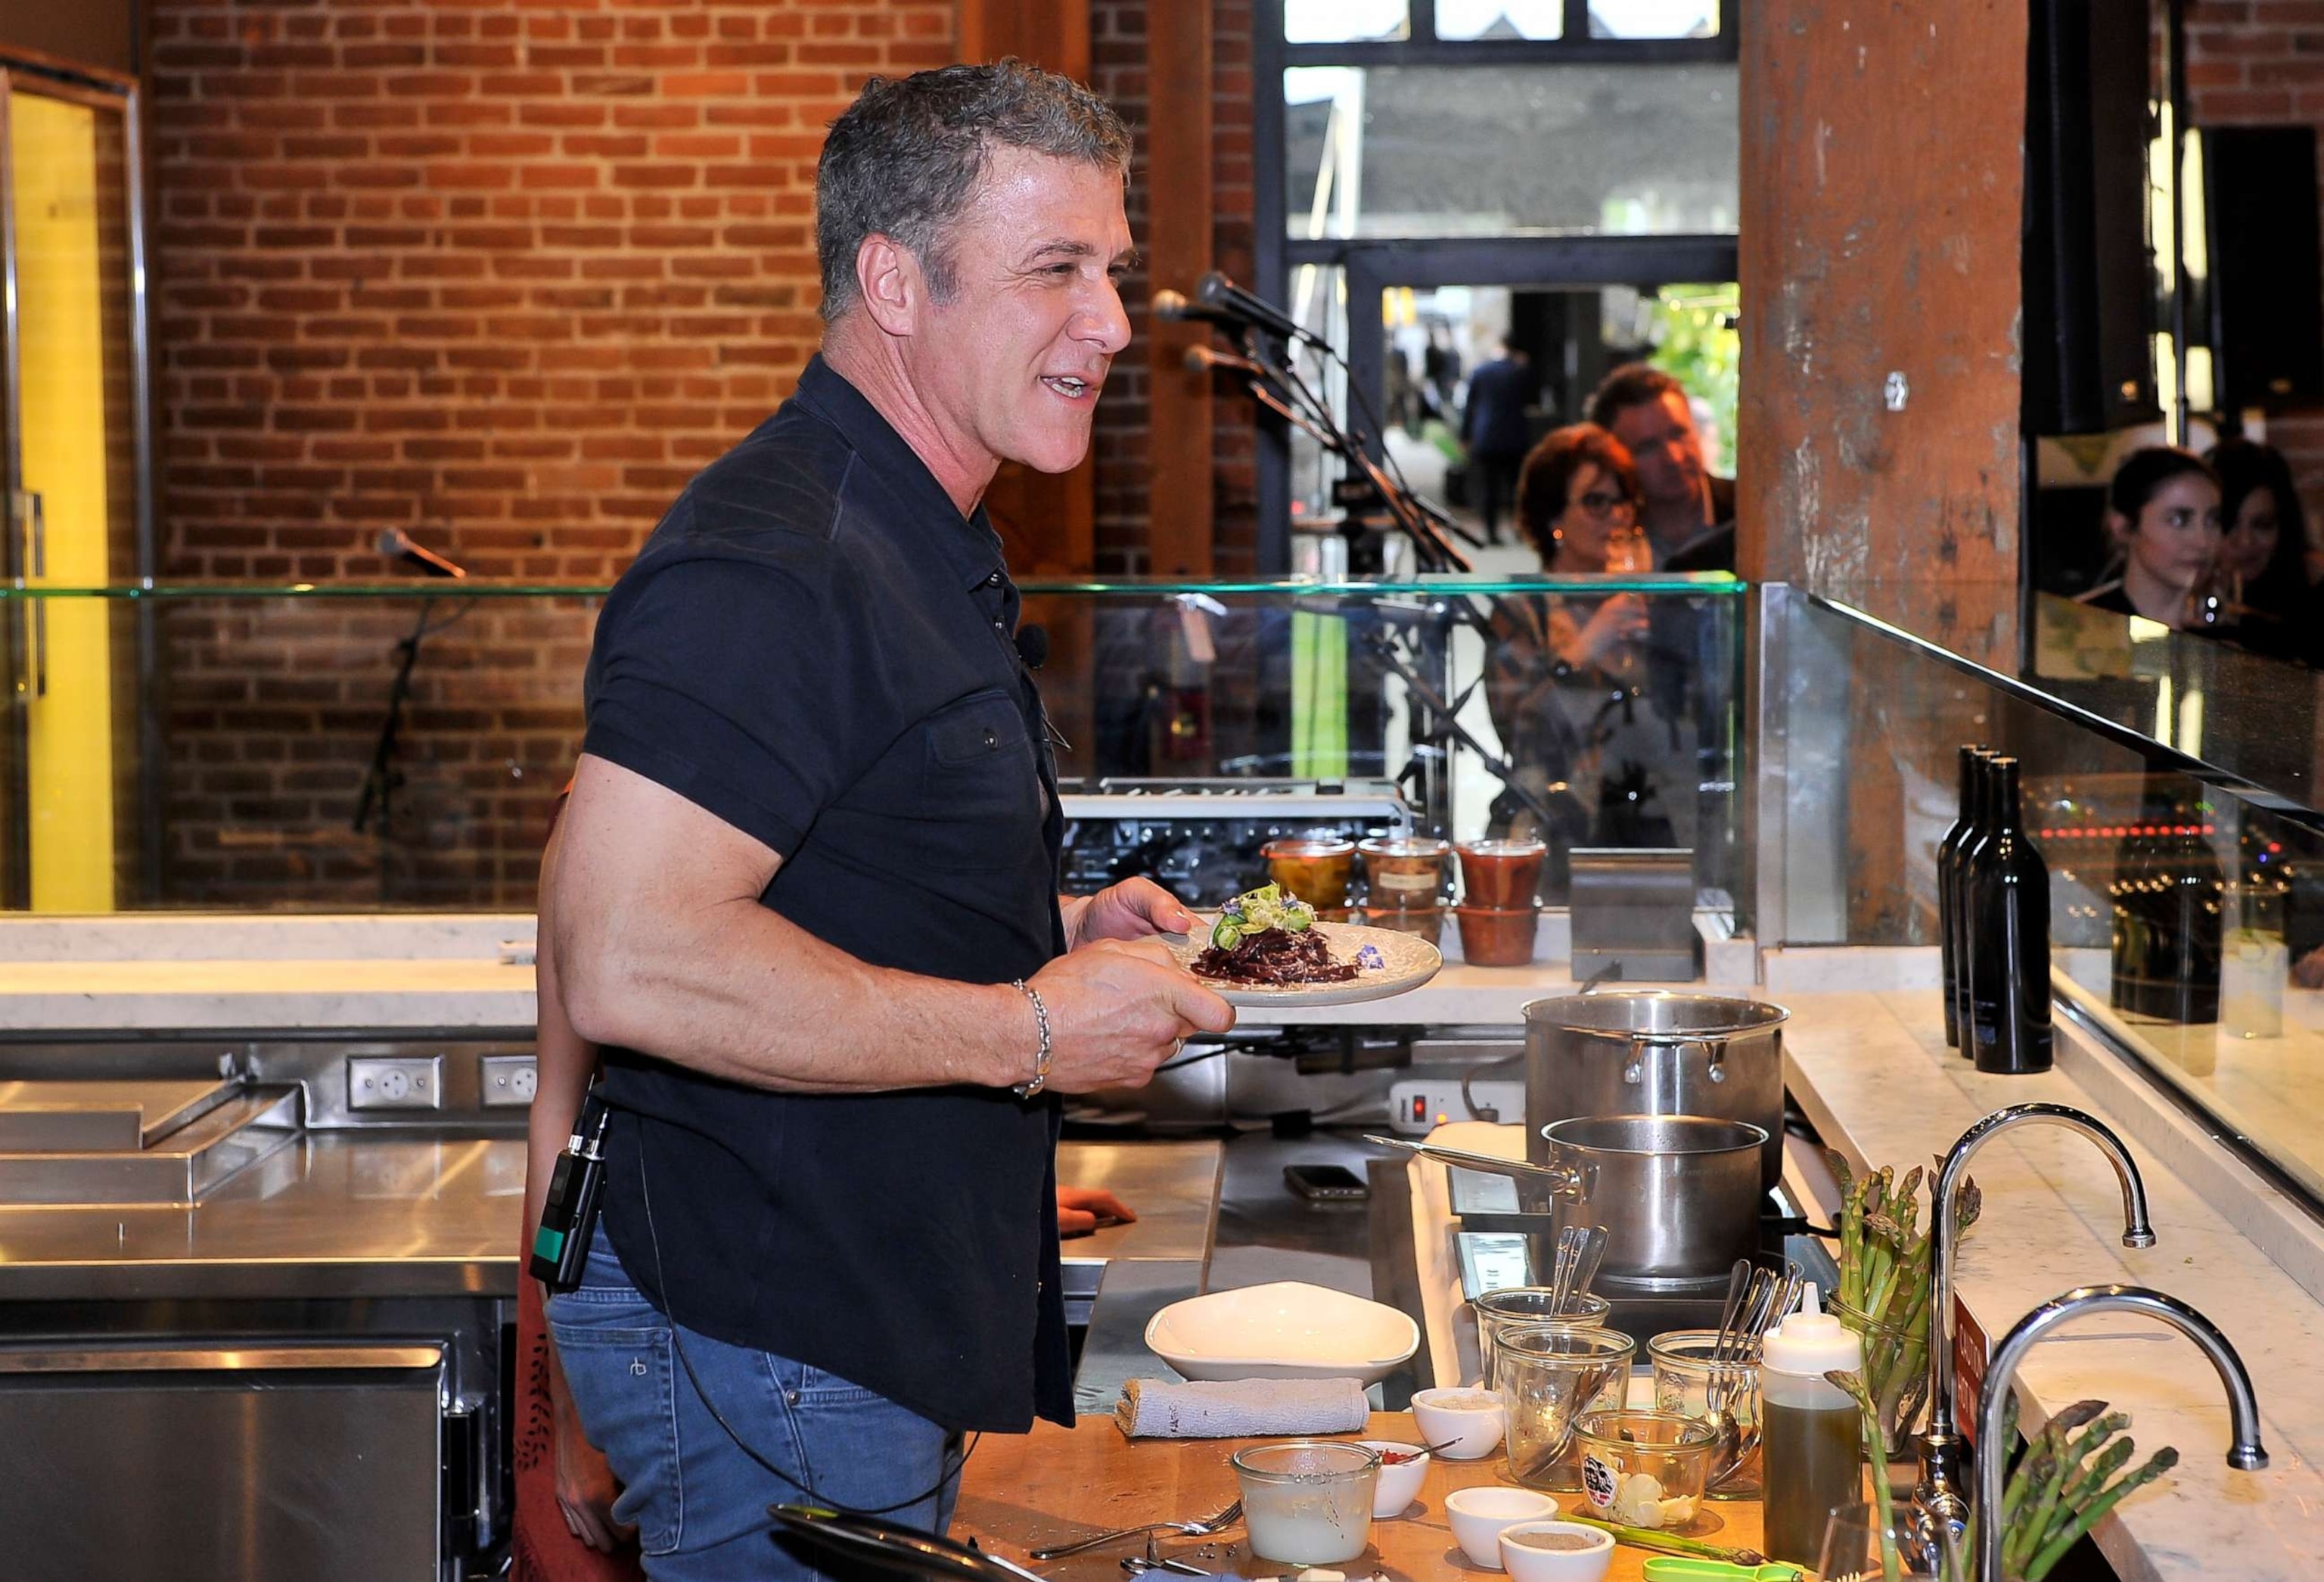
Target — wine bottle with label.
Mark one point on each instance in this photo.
(1949, 900)
(2009, 896)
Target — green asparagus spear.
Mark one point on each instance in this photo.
(2083, 1485)
(1875, 1454)
(2047, 1557)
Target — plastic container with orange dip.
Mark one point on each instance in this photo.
(1313, 867)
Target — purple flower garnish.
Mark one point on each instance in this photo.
(1233, 908)
(1370, 959)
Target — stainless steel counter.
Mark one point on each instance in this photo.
(326, 1215)
(363, 1214)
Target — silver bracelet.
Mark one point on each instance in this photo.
(1041, 1059)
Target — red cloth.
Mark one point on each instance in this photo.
(545, 1549)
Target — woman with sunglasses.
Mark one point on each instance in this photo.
(1564, 683)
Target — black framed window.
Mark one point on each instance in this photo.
(1521, 143)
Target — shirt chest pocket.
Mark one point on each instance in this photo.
(979, 796)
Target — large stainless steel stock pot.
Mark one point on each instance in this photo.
(1655, 1052)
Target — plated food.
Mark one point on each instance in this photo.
(1267, 948)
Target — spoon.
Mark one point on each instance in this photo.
(1592, 1254)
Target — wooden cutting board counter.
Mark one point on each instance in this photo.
(1053, 1484)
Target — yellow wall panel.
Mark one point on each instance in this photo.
(61, 372)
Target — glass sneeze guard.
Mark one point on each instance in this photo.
(400, 744)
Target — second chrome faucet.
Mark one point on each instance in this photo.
(1939, 1498)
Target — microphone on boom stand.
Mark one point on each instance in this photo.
(384, 778)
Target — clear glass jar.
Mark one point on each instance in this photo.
(1308, 1502)
(1687, 1382)
(1547, 1377)
(1895, 1372)
(1646, 1470)
(1520, 1306)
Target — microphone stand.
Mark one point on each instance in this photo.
(1447, 726)
(381, 781)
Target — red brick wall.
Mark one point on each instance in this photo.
(1118, 70)
(2261, 62)
(499, 273)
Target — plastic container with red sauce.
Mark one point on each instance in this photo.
(1498, 937)
(1501, 875)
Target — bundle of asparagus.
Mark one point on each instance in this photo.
(2058, 1487)
(1884, 1282)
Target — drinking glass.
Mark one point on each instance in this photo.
(1895, 1371)
(1524, 1306)
(1689, 1382)
(1549, 1376)
(1857, 1546)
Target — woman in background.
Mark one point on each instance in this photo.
(2162, 512)
(2264, 549)
(1565, 681)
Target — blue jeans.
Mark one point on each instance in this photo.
(699, 1499)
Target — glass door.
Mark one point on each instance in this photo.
(70, 250)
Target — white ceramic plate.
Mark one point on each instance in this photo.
(1288, 1330)
(1406, 962)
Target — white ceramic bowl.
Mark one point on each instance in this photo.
(1479, 1514)
(1473, 1430)
(1525, 1563)
(1399, 1482)
(1288, 1330)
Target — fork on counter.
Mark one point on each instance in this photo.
(1205, 1528)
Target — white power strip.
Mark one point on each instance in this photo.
(1419, 1105)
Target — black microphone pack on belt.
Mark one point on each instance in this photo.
(568, 1218)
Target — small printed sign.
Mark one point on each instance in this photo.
(1970, 1348)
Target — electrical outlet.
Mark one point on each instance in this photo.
(506, 1081)
(1418, 1105)
(395, 1082)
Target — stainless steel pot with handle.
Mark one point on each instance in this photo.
(1655, 1052)
(1678, 1195)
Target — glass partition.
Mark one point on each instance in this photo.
(345, 748)
(2166, 784)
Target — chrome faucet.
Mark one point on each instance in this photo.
(1937, 1502)
(2246, 1455)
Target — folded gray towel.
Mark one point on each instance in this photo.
(1239, 1409)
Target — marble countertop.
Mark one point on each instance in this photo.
(1871, 1072)
(162, 972)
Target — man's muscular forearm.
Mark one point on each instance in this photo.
(663, 947)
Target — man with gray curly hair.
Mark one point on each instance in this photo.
(804, 895)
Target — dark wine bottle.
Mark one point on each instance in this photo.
(2169, 914)
(1948, 901)
(2128, 906)
(2009, 897)
(1980, 833)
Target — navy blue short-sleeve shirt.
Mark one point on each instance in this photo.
(816, 646)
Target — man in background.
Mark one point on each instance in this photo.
(1689, 515)
(1494, 428)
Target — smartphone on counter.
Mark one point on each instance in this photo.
(1326, 1183)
